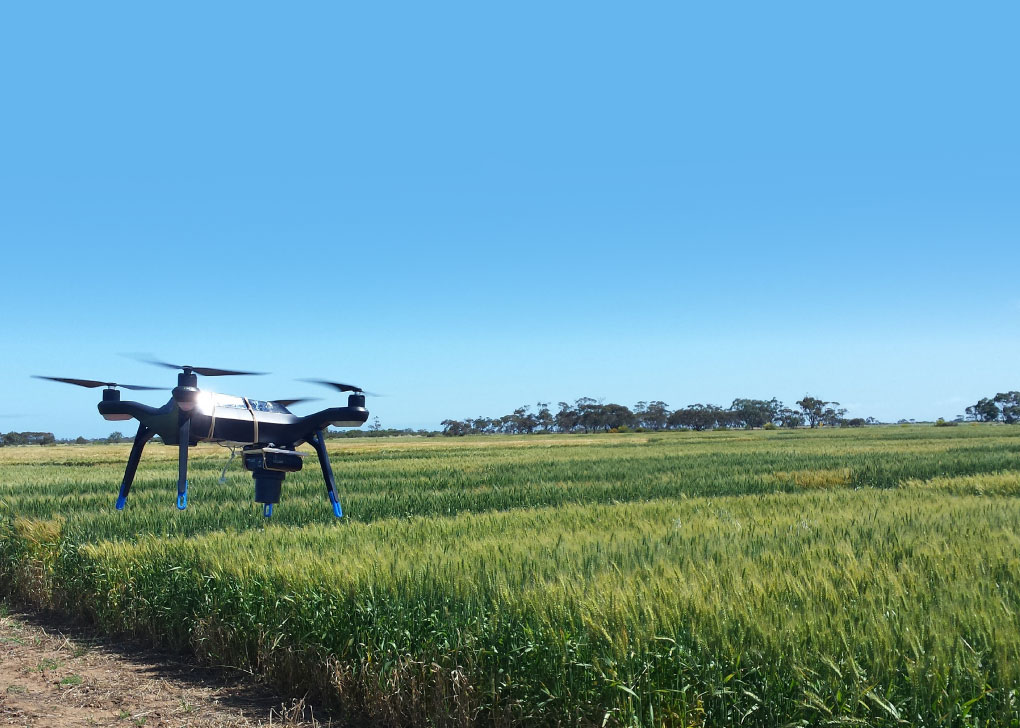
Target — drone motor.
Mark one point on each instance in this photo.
(113, 395)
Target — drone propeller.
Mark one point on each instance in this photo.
(288, 402)
(204, 371)
(92, 383)
(341, 387)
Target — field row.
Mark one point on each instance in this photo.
(419, 477)
(876, 606)
(675, 579)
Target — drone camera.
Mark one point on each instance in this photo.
(268, 484)
(268, 467)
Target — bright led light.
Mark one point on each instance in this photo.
(205, 401)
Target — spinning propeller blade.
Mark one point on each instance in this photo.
(204, 371)
(211, 372)
(288, 402)
(341, 387)
(92, 383)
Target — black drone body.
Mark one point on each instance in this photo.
(267, 431)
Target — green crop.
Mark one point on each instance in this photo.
(756, 578)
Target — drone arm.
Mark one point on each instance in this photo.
(131, 409)
(318, 441)
(339, 416)
(183, 436)
(144, 435)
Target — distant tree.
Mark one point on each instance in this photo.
(375, 426)
(80, 440)
(115, 437)
(855, 422)
(454, 427)
(15, 438)
(653, 415)
(833, 417)
(814, 409)
(615, 416)
(1009, 406)
(480, 424)
(27, 438)
(754, 413)
(592, 415)
(566, 418)
(984, 411)
(696, 417)
(546, 421)
(728, 418)
(679, 420)
(588, 415)
(522, 421)
(790, 418)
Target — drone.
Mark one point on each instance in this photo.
(266, 431)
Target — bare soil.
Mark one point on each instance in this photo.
(55, 673)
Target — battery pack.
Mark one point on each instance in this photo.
(272, 458)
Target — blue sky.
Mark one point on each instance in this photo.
(471, 207)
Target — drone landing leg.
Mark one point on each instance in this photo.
(183, 434)
(318, 441)
(144, 435)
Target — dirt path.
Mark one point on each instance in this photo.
(55, 674)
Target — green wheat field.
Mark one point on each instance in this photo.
(827, 577)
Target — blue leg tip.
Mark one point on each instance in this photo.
(182, 501)
(337, 511)
(267, 509)
(121, 502)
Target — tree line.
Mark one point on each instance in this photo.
(590, 415)
(27, 438)
(1003, 407)
(47, 438)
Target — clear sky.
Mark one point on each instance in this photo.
(472, 206)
